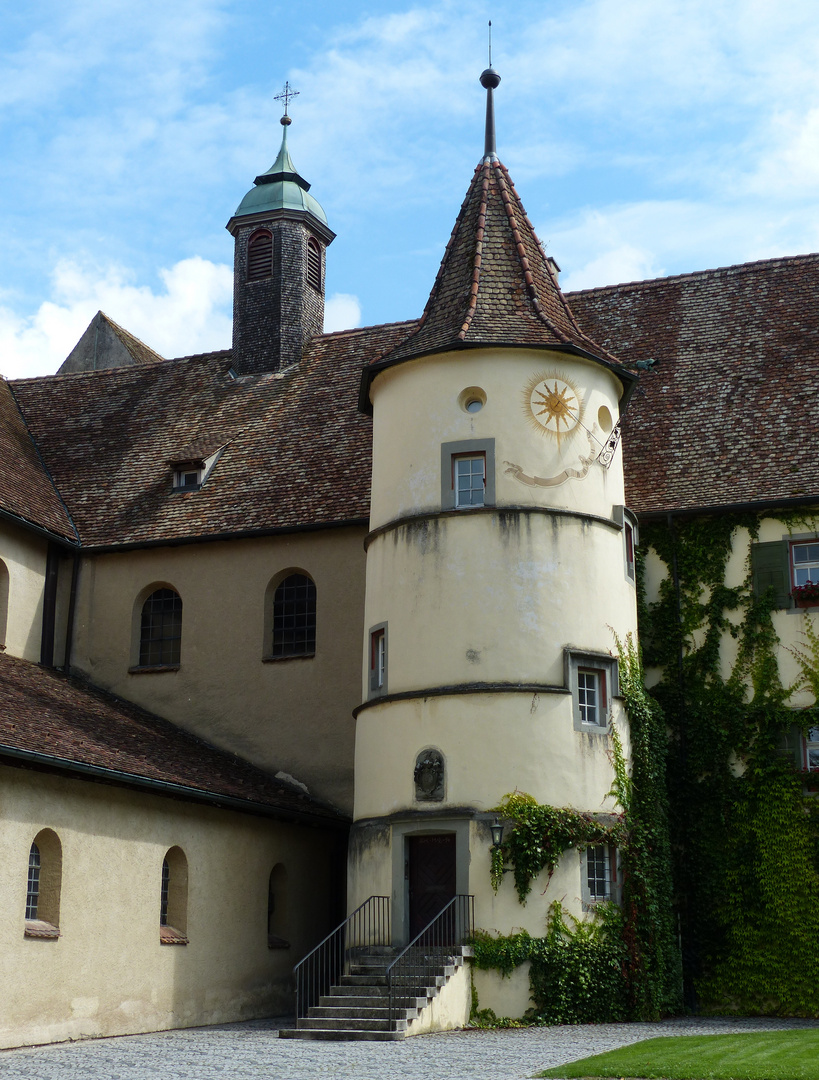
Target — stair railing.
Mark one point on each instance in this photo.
(428, 951)
(367, 927)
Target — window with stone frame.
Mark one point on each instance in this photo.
(160, 637)
(43, 886)
(598, 868)
(173, 898)
(294, 617)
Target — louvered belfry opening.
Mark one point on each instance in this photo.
(260, 255)
(314, 264)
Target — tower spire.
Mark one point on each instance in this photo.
(490, 81)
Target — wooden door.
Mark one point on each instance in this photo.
(431, 877)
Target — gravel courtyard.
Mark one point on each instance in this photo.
(250, 1051)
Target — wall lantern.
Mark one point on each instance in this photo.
(497, 833)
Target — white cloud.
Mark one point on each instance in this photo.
(191, 314)
(341, 312)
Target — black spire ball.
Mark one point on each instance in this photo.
(286, 120)
(490, 79)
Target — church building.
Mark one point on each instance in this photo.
(272, 660)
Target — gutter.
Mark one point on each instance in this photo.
(24, 523)
(36, 760)
(729, 508)
(245, 534)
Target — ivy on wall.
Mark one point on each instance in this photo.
(624, 962)
(745, 831)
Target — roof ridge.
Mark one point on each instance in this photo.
(732, 268)
(126, 337)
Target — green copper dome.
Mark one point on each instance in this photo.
(280, 188)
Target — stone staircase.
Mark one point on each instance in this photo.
(358, 1007)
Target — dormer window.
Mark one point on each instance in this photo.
(314, 264)
(194, 463)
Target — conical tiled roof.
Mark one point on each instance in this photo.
(495, 285)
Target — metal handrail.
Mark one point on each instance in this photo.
(412, 968)
(322, 967)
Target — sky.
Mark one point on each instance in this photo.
(644, 138)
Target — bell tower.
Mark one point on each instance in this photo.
(281, 236)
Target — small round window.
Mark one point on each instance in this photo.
(472, 399)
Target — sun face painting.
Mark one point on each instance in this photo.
(552, 404)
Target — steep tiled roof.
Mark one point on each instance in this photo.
(26, 490)
(298, 452)
(494, 285)
(729, 412)
(45, 713)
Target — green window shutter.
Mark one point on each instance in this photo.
(770, 569)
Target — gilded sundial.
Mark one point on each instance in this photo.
(553, 404)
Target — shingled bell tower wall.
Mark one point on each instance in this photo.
(278, 292)
(274, 316)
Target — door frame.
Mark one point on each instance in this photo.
(400, 865)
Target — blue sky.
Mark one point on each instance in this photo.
(645, 139)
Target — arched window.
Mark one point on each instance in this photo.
(277, 932)
(294, 617)
(4, 602)
(45, 870)
(314, 264)
(160, 635)
(173, 898)
(260, 255)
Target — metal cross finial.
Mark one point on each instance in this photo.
(286, 95)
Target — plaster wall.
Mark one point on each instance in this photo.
(789, 624)
(24, 555)
(494, 597)
(491, 744)
(291, 714)
(506, 995)
(418, 406)
(108, 974)
(449, 1009)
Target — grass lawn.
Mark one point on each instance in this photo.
(762, 1055)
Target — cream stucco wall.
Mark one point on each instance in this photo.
(789, 624)
(24, 556)
(417, 407)
(495, 597)
(293, 714)
(108, 974)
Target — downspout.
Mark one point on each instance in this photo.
(72, 605)
(688, 947)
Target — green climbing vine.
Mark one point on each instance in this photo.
(623, 963)
(716, 764)
(746, 834)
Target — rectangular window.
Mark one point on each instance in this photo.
(591, 696)
(598, 874)
(628, 533)
(805, 563)
(378, 660)
(467, 474)
(592, 679)
(812, 749)
(469, 479)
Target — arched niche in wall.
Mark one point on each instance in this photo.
(173, 898)
(44, 884)
(430, 776)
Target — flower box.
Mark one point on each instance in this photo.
(806, 595)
